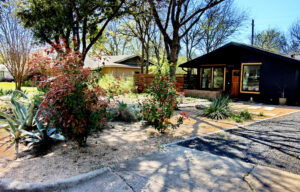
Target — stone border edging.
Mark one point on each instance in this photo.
(8, 185)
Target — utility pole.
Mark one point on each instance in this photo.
(252, 35)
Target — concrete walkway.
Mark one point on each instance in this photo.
(182, 169)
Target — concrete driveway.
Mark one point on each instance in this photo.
(183, 169)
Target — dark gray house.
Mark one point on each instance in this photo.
(244, 71)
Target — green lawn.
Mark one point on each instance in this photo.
(11, 86)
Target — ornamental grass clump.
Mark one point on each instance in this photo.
(218, 109)
(73, 100)
(161, 104)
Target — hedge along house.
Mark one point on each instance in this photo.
(244, 72)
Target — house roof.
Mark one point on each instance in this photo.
(195, 62)
(3, 68)
(111, 61)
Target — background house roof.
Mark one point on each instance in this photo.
(195, 62)
(111, 61)
(3, 68)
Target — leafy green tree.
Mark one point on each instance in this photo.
(117, 42)
(79, 22)
(113, 41)
(271, 40)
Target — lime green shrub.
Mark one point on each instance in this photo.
(8, 87)
(117, 86)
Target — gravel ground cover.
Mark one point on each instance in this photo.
(274, 143)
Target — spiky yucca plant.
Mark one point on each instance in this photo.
(218, 109)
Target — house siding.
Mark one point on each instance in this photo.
(277, 72)
(119, 72)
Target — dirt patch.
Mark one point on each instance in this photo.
(120, 142)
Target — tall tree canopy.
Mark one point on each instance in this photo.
(295, 36)
(142, 28)
(171, 16)
(79, 22)
(272, 40)
(15, 45)
(219, 23)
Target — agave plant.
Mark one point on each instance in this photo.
(42, 135)
(22, 119)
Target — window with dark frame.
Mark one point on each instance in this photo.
(206, 78)
(212, 78)
(218, 78)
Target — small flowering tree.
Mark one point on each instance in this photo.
(73, 100)
(160, 106)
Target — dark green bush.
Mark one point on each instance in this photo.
(246, 115)
(237, 118)
(218, 109)
(242, 116)
(27, 83)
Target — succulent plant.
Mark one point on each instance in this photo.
(23, 117)
(42, 135)
(23, 120)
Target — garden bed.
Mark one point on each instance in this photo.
(118, 142)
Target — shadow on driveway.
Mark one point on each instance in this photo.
(274, 143)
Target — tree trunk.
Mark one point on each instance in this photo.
(18, 84)
(172, 65)
(17, 150)
(147, 59)
(142, 58)
(172, 60)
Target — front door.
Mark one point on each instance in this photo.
(235, 83)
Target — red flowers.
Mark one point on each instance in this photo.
(72, 98)
(159, 108)
(184, 114)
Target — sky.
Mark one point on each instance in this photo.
(279, 14)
